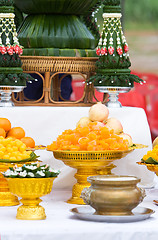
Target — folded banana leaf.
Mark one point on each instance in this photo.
(55, 6)
(55, 31)
(32, 157)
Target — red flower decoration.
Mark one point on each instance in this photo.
(111, 50)
(98, 51)
(120, 51)
(10, 50)
(20, 51)
(103, 51)
(3, 50)
(16, 49)
(126, 48)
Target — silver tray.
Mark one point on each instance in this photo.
(87, 213)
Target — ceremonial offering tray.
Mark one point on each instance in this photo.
(87, 213)
(88, 164)
(30, 190)
(6, 197)
(113, 195)
(30, 182)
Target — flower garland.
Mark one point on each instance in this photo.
(10, 49)
(31, 171)
(112, 29)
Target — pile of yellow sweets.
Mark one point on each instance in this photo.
(13, 149)
(90, 138)
(152, 154)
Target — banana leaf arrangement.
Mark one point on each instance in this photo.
(59, 28)
(11, 73)
(112, 67)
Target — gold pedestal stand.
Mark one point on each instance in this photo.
(88, 164)
(6, 197)
(30, 190)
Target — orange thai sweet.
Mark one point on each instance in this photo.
(93, 137)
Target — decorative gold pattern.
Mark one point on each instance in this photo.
(138, 146)
(30, 190)
(88, 164)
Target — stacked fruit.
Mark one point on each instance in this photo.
(15, 133)
(100, 113)
(94, 133)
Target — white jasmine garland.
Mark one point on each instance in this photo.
(31, 171)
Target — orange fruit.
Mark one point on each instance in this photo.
(2, 132)
(5, 124)
(29, 142)
(17, 132)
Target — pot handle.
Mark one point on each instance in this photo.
(143, 193)
(85, 195)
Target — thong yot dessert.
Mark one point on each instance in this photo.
(94, 137)
(96, 132)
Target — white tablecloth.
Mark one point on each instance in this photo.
(44, 124)
(61, 224)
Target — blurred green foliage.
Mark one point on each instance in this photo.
(137, 15)
(141, 10)
(141, 14)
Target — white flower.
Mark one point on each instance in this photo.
(53, 170)
(30, 174)
(31, 167)
(41, 173)
(14, 173)
(18, 169)
(8, 172)
(23, 174)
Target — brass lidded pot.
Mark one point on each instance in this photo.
(113, 195)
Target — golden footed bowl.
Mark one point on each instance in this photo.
(6, 197)
(30, 190)
(151, 167)
(88, 164)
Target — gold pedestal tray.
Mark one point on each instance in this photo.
(88, 164)
(30, 190)
(6, 197)
(152, 168)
